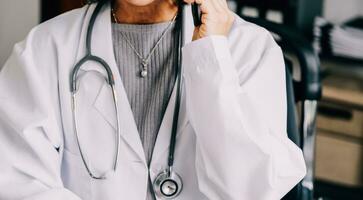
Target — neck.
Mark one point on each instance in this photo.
(156, 12)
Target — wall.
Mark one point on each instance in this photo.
(17, 17)
(338, 11)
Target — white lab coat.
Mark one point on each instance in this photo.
(231, 145)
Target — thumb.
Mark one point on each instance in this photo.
(196, 33)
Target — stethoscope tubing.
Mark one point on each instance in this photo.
(179, 88)
(170, 174)
(74, 89)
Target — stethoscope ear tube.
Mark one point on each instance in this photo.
(110, 80)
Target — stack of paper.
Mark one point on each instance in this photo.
(340, 40)
(347, 42)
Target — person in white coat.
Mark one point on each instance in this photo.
(231, 139)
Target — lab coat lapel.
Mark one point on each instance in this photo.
(163, 139)
(103, 48)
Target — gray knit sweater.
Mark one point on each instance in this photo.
(148, 97)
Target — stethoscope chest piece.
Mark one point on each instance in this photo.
(168, 185)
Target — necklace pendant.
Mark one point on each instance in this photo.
(144, 63)
(143, 73)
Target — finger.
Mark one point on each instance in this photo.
(205, 6)
(204, 18)
(199, 1)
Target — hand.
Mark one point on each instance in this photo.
(217, 19)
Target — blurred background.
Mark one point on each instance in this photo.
(323, 45)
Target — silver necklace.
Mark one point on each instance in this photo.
(144, 61)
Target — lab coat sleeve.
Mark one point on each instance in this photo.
(30, 130)
(242, 148)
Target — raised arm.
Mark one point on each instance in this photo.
(243, 151)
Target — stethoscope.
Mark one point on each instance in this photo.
(168, 184)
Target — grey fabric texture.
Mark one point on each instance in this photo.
(149, 96)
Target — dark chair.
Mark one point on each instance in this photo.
(263, 6)
(298, 14)
(302, 95)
